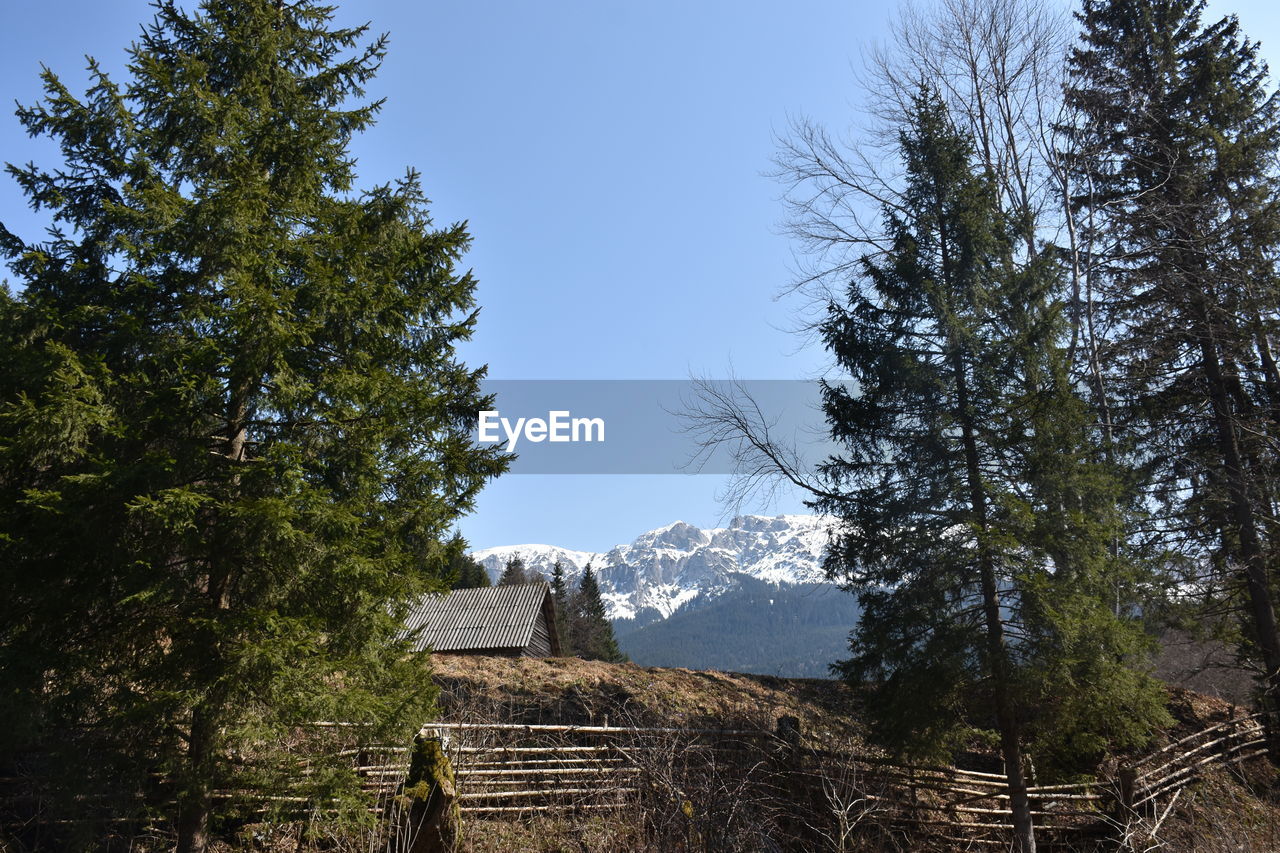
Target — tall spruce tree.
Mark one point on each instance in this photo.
(513, 573)
(1178, 139)
(453, 564)
(469, 574)
(590, 632)
(560, 596)
(976, 520)
(233, 432)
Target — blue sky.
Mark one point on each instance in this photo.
(610, 160)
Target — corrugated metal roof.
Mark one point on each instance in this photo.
(497, 617)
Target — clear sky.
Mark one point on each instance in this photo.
(610, 160)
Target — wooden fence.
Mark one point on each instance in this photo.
(522, 770)
(525, 769)
(517, 772)
(1165, 772)
(513, 772)
(969, 805)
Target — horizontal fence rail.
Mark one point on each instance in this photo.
(513, 770)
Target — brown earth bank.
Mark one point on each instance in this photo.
(569, 691)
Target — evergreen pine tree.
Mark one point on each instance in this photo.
(975, 519)
(590, 631)
(1178, 139)
(469, 574)
(560, 595)
(513, 574)
(234, 431)
(456, 568)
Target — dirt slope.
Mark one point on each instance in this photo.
(573, 691)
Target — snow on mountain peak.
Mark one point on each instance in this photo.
(540, 558)
(676, 535)
(665, 568)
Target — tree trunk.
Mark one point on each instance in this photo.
(195, 795)
(1248, 546)
(1010, 731)
(196, 792)
(997, 653)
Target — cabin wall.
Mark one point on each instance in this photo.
(540, 643)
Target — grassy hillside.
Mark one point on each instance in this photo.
(569, 690)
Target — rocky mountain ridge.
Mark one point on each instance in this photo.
(664, 569)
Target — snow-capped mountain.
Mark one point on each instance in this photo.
(666, 568)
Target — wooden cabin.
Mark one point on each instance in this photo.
(508, 621)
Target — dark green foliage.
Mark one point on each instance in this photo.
(473, 575)
(467, 573)
(513, 574)
(560, 598)
(795, 631)
(453, 565)
(978, 520)
(590, 633)
(1177, 139)
(234, 435)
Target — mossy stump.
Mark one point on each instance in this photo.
(434, 818)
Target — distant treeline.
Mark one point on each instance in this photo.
(791, 630)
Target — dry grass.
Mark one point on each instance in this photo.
(551, 835)
(573, 691)
(1225, 812)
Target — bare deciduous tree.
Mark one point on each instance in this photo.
(998, 65)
